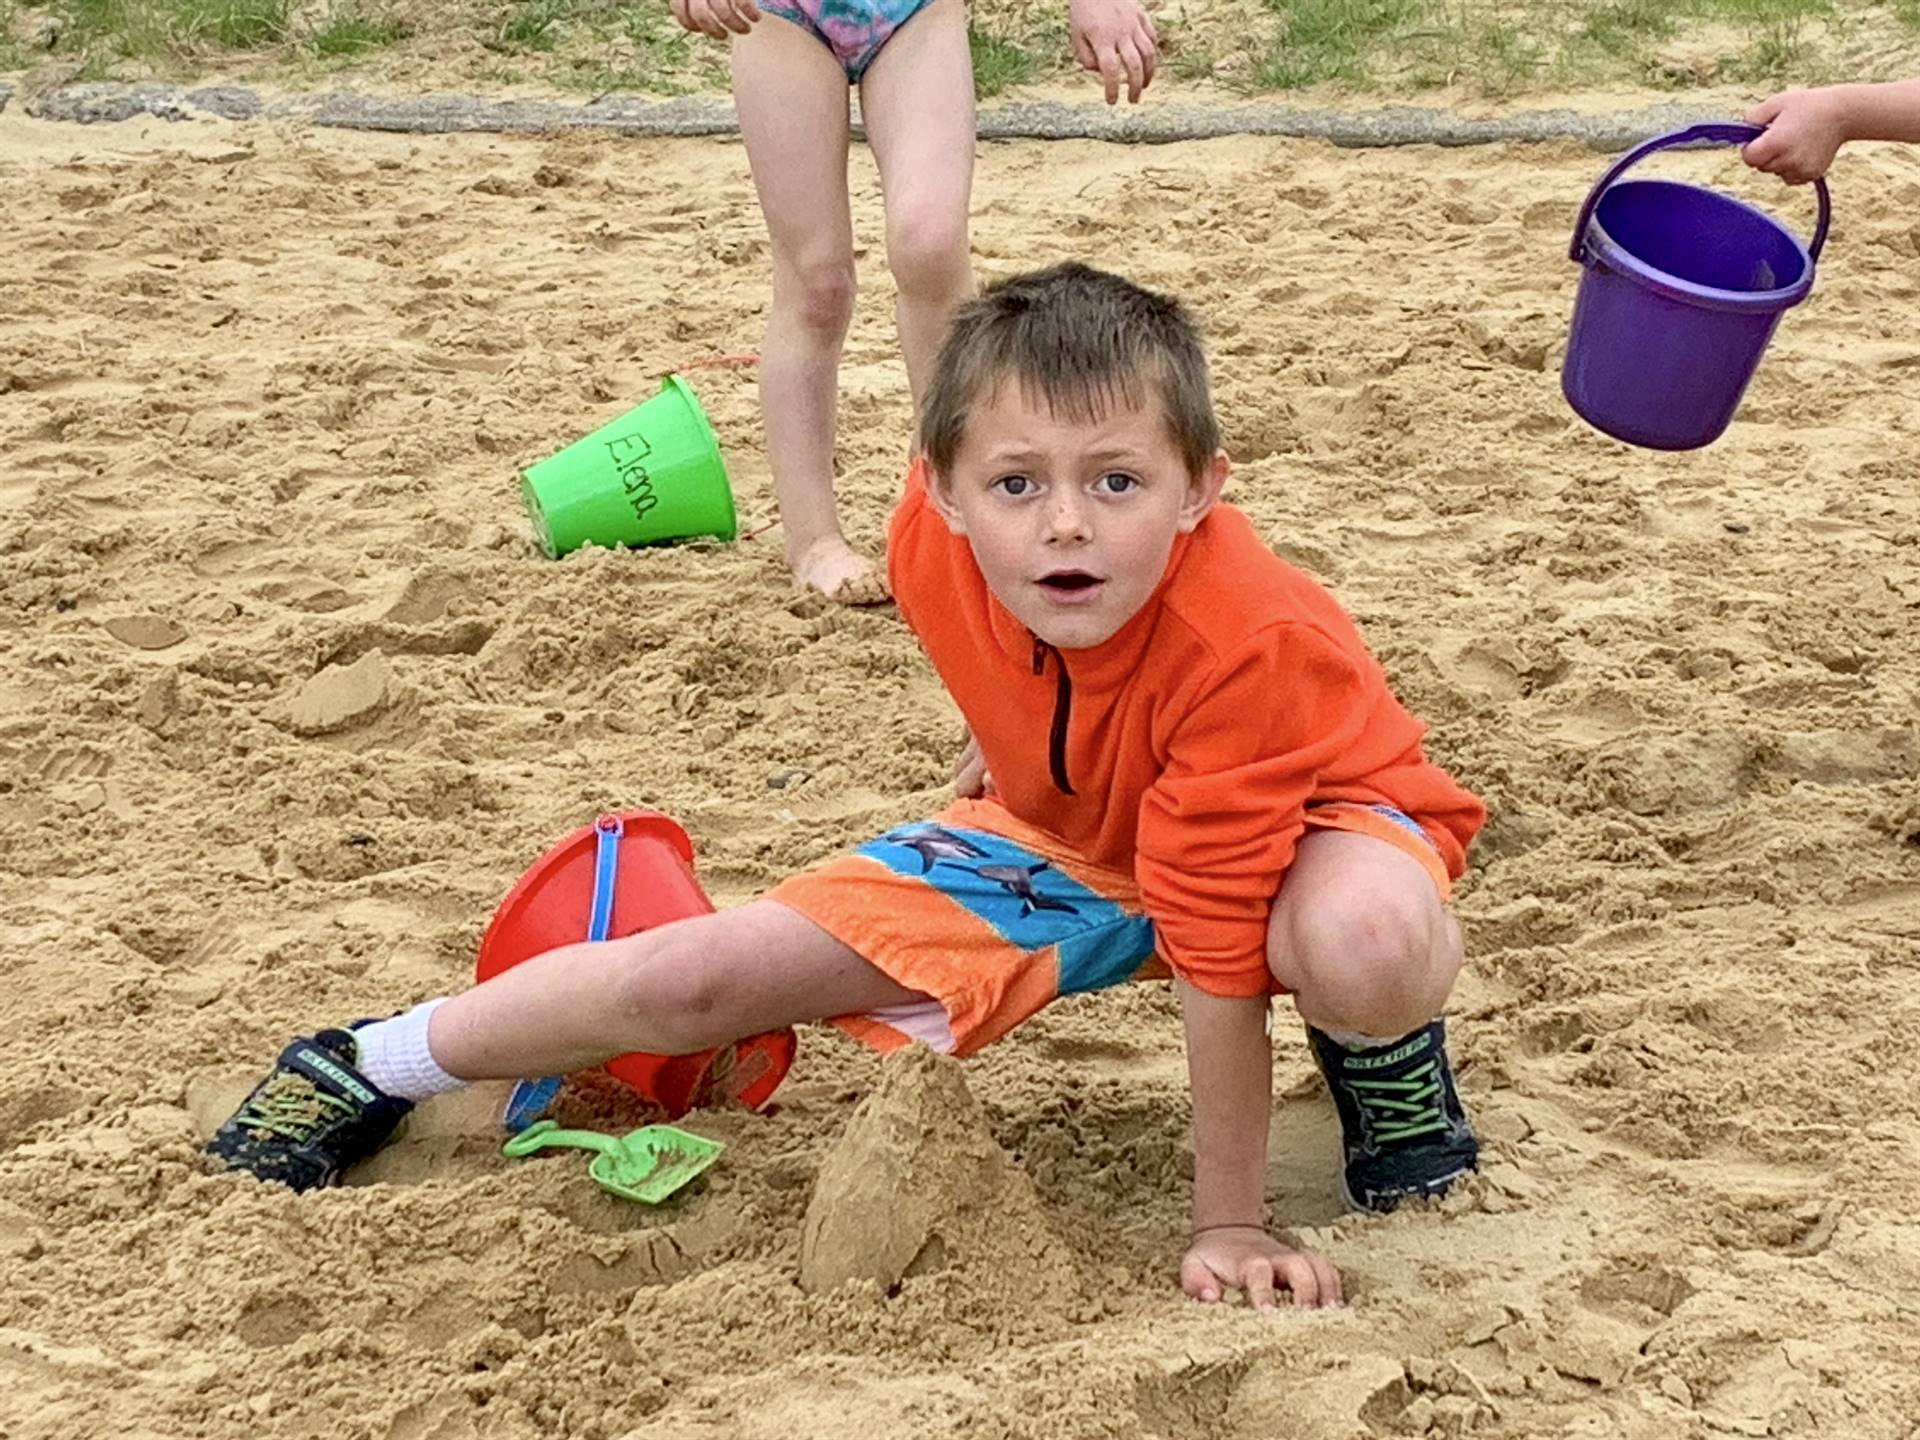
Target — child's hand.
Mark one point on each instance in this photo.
(716, 17)
(970, 777)
(1115, 40)
(1805, 128)
(1245, 1257)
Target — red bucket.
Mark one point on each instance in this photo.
(552, 905)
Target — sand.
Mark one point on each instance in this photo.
(288, 699)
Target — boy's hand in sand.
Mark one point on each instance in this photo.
(716, 17)
(970, 777)
(1805, 130)
(1246, 1258)
(1116, 40)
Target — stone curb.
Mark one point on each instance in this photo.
(1161, 124)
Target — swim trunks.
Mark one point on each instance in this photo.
(994, 919)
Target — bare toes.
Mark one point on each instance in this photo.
(869, 587)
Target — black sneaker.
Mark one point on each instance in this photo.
(312, 1118)
(1403, 1130)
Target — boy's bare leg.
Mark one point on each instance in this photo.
(916, 100)
(1361, 938)
(791, 95)
(1360, 935)
(335, 1096)
(674, 990)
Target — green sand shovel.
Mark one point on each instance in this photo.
(648, 1165)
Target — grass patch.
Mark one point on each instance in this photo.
(1622, 28)
(530, 25)
(1191, 64)
(1774, 57)
(1777, 51)
(12, 57)
(102, 31)
(98, 30)
(1182, 55)
(1499, 47)
(1514, 59)
(1495, 48)
(1328, 39)
(632, 45)
(500, 73)
(1760, 11)
(234, 24)
(998, 65)
(652, 29)
(658, 46)
(349, 32)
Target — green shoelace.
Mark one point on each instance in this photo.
(1403, 1108)
(290, 1107)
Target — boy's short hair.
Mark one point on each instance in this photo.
(1081, 340)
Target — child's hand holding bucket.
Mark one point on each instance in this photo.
(1681, 290)
(1805, 130)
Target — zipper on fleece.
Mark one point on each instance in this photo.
(1062, 713)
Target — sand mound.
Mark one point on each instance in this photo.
(341, 695)
(268, 390)
(918, 1186)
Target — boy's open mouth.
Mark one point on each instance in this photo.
(1069, 582)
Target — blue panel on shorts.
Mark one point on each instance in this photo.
(1028, 902)
(1403, 820)
(1110, 955)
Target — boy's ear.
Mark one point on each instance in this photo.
(940, 493)
(1203, 490)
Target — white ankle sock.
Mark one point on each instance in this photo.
(395, 1057)
(1350, 1040)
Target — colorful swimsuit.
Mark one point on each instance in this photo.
(854, 30)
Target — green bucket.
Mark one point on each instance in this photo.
(651, 477)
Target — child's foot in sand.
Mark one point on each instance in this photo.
(836, 570)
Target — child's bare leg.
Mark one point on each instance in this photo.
(335, 1096)
(791, 95)
(1359, 934)
(674, 990)
(917, 103)
(1361, 938)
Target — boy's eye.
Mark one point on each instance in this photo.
(1015, 484)
(1116, 482)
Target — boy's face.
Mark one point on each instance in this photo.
(1071, 521)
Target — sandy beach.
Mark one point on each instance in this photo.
(263, 396)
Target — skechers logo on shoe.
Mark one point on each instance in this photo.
(339, 1076)
(1392, 1057)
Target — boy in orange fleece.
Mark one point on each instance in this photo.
(1195, 765)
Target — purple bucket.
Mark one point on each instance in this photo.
(1682, 290)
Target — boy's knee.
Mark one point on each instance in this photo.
(1366, 962)
(659, 980)
(824, 291)
(927, 250)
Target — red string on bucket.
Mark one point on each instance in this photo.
(712, 362)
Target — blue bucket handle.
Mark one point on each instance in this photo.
(531, 1098)
(1730, 132)
(607, 832)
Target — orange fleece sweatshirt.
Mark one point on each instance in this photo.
(1186, 748)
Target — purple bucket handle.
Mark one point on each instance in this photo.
(1731, 132)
